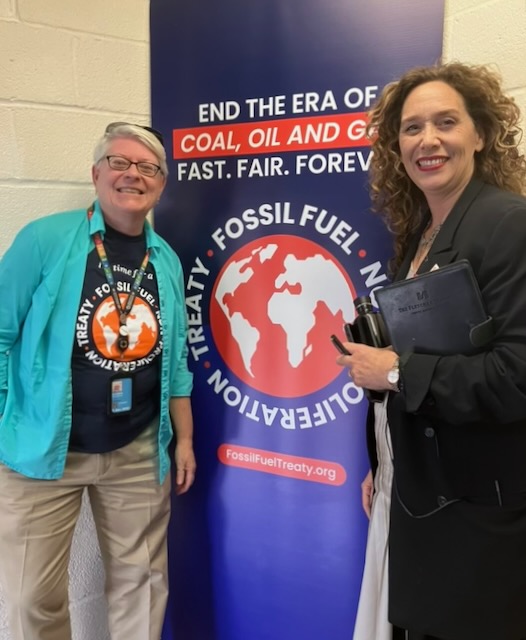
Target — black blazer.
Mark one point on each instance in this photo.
(458, 427)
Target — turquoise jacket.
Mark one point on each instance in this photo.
(41, 278)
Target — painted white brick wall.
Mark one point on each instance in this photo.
(69, 67)
(490, 32)
(66, 70)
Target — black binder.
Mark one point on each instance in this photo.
(440, 312)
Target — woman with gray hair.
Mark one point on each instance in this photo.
(93, 381)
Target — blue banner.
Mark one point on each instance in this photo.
(263, 105)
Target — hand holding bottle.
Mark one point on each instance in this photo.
(368, 328)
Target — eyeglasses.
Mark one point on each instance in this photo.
(118, 163)
(114, 125)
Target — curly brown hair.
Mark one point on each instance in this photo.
(496, 117)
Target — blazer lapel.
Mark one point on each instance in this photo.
(442, 252)
(403, 270)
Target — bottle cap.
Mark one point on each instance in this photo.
(363, 302)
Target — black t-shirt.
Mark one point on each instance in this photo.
(96, 358)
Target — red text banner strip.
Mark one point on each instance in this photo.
(280, 464)
(271, 136)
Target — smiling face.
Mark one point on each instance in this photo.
(126, 196)
(438, 141)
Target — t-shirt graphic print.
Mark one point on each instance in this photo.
(96, 356)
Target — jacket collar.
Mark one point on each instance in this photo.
(442, 251)
(96, 225)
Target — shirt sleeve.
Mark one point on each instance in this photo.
(181, 381)
(20, 274)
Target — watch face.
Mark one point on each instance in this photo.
(393, 376)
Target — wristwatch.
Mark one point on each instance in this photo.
(393, 376)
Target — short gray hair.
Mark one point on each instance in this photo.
(135, 131)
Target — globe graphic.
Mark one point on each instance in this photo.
(142, 325)
(274, 305)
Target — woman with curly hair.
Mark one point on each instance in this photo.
(449, 178)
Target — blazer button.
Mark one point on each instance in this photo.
(441, 500)
(430, 432)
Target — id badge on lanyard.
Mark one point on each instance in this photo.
(120, 392)
(120, 397)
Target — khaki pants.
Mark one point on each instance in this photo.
(131, 512)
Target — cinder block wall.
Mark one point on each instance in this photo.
(67, 68)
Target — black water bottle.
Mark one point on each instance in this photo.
(369, 329)
(369, 324)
